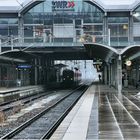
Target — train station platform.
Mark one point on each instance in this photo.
(101, 114)
(7, 94)
(5, 89)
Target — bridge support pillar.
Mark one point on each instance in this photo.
(40, 71)
(110, 74)
(105, 75)
(137, 74)
(36, 73)
(49, 70)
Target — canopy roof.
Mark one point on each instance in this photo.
(16, 6)
(116, 5)
(103, 52)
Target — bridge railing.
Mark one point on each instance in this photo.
(78, 41)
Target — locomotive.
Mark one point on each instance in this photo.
(71, 78)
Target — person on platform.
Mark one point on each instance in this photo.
(99, 76)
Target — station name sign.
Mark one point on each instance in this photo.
(63, 5)
(24, 66)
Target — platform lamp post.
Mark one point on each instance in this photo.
(128, 65)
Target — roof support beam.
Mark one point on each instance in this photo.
(134, 56)
(28, 6)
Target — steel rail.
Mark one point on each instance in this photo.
(60, 119)
(30, 121)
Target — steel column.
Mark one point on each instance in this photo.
(20, 30)
(36, 73)
(119, 74)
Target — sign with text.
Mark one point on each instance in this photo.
(24, 66)
(63, 5)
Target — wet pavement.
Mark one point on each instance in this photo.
(119, 116)
(108, 127)
(112, 116)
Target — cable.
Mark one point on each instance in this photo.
(19, 3)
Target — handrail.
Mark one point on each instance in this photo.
(38, 41)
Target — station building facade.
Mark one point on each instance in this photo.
(67, 22)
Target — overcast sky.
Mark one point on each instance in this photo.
(106, 2)
(117, 2)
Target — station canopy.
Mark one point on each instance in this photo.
(16, 6)
(115, 5)
(106, 5)
(103, 52)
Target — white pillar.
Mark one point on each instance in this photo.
(119, 74)
(105, 30)
(12, 42)
(74, 31)
(44, 36)
(109, 37)
(20, 30)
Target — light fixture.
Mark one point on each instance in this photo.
(125, 27)
(136, 14)
(82, 40)
(128, 63)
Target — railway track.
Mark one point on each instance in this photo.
(10, 105)
(43, 124)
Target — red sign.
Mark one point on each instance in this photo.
(70, 4)
(63, 5)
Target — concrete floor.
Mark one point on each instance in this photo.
(102, 114)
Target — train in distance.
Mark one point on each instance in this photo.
(71, 78)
